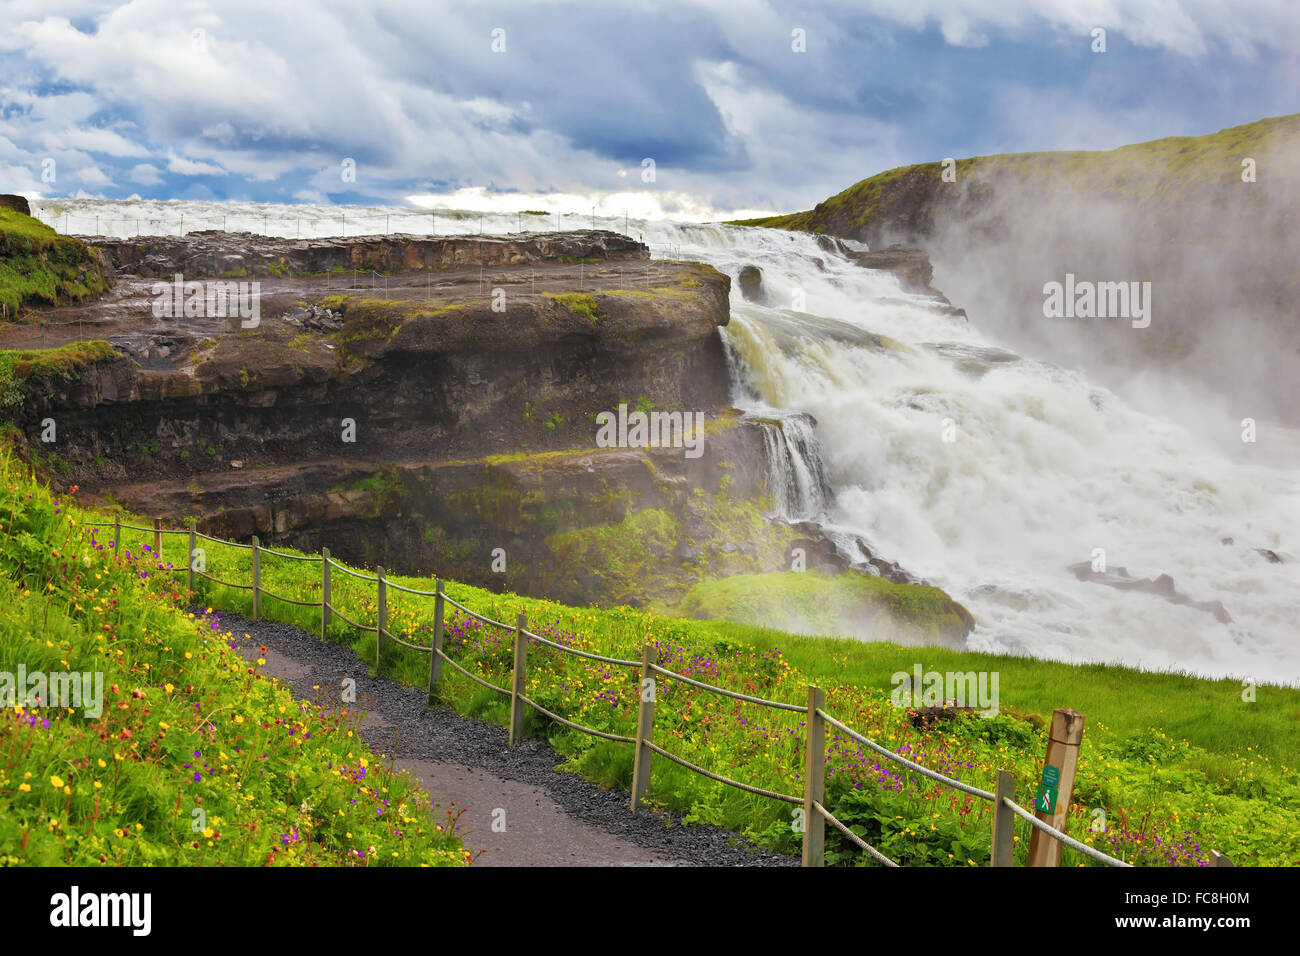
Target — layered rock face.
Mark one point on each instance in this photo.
(441, 409)
(217, 253)
(414, 422)
(416, 379)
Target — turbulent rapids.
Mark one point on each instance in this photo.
(990, 474)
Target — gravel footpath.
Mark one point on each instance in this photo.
(517, 809)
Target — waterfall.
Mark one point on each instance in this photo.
(796, 473)
(987, 473)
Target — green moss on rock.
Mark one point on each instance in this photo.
(40, 267)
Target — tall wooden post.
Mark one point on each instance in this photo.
(189, 561)
(645, 726)
(1055, 788)
(1004, 836)
(517, 682)
(814, 781)
(117, 534)
(324, 593)
(435, 661)
(381, 619)
(157, 539)
(257, 579)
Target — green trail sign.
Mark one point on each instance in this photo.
(1048, 790)
(1045, 801)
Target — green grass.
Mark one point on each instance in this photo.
(194, 758)
(40, 267)
(1178, 765)
(845, 604)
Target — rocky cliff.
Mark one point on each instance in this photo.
(428, 404)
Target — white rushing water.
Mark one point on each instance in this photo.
(1043, 467)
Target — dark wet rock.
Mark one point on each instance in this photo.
(216, 253)
(974, 360)
(16, 203)
(911, 266)
(315, 318)
(1161, 586)
(927, 718)
(750, 281)
(822, 553)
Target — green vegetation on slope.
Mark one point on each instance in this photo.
(821, 604)
(1177, 765)
(1153, 173)
(40, 267)
(193, 757)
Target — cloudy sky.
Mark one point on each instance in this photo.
(498, 102)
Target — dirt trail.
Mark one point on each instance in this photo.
(518, 810)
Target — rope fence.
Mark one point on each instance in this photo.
(1046, 819)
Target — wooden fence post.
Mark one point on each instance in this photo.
(1052, 798)
(645, 726)
(157, 539)
(189, 561)
(517, 682)
(117, 534)
(814, 781)
(435, 662)
(381, 619)
(1004, 842)
(324, 593)
(257, 580)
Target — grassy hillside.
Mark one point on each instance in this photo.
(1176, 765)
(40, 267)
(191, 757)
(1157, 176)
(822, 603)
